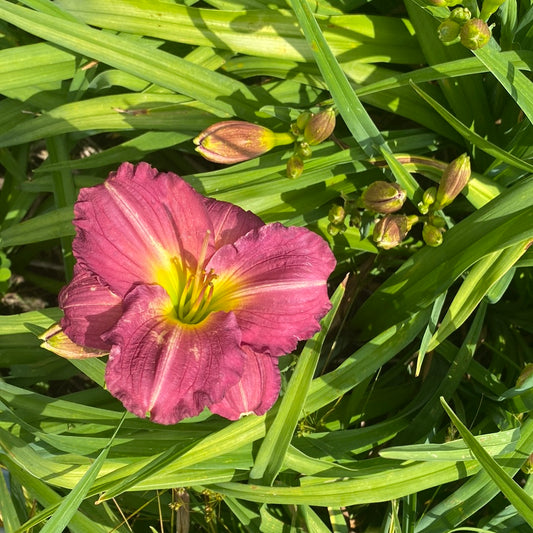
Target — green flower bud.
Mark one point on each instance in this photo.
(489, 7)
(437, 221)
(294, 129)
(356, 219)
(295, 167)
(335, 229)
(460, 15)
(320, 126)
(336, 214)
(428, 198)
(303, 119)
(432, 236)
(475, 34)
(429, 195)
(233, 141)
(303, 149)
(527, 467)
(383, 197)
(448, 31)
(453, 181)
(391, 230)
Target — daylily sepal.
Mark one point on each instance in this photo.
(55, 340)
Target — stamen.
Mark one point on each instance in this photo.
(185, 295)
(193, 311)
(206, 301)
(194, 287)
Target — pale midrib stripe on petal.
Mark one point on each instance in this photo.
(278, 286)
(134, 221)
(164, 365)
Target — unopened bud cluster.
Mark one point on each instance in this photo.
(234, 141)
(460, 26)
(453, 180)
(309, 129)
(381, 202)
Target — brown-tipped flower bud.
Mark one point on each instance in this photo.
(432, 236)
(449, 31)
(320, 126)
(233, 141)
(475, 34)
(391, 230)
(336, 214)
(453, 181)
(295, 167)
(383, 197)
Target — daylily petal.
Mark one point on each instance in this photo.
(90, 309)
(274, 280)
(256, 391)
(166, 369)
(126, 233)
(230, 222)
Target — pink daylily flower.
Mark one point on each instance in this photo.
(194, 299)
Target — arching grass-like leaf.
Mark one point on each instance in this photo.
(271, 454)
(514, 493)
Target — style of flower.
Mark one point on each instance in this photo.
(194, 299)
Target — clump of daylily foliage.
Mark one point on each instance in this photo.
(460, 26)
(193, 299)
(382, 200)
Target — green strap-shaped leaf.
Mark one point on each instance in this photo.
(515, 82)
(354, 114)
(51, 500)
(7, 506)
(17, 72)
(472, 137)
(51, 225)
(123, 112)
(274, 446)
(477, 284)
(512, 491)
(257, 32)
(520, 59)
(220, 92)
(389, 483)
